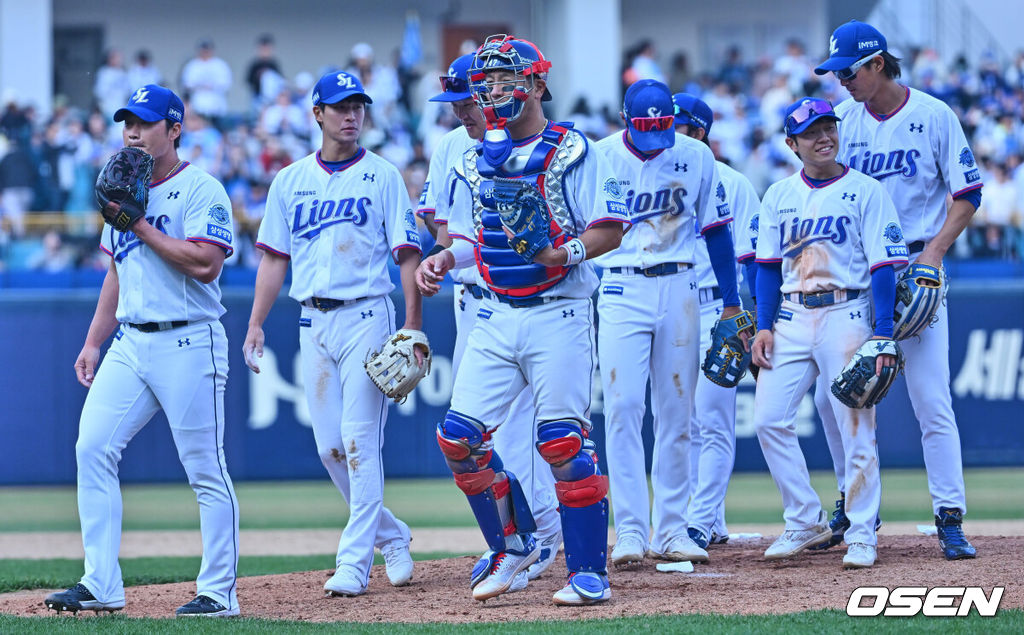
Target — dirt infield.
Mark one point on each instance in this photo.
(737, 580)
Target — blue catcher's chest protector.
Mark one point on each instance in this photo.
(558, 151)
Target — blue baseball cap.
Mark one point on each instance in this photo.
(650, 115)
(153, 103)
(805, 111)
(337, 86)
(849, 43)
(691, 111)
(455, 85)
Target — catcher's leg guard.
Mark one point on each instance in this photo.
(494, 494)
(582, 493)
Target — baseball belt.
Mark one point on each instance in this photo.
(822, 298)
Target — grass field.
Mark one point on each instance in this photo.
(438, 503)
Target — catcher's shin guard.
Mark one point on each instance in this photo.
(494, 494)
(582, 493)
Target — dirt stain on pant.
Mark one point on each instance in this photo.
(353, 458)
(336, 455)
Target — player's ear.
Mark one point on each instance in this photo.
(318, 114)
(174, 132)
(622, 116)
(791, 142)
(539, 86)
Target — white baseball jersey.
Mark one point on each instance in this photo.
(338, 227)
(437, 191)
(744, 205)
(669, 194)
(919, 153)
(449, 151)
(829, 236)
(188, 205)
(591, 194)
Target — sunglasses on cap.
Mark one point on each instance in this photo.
(650, 124)
(451, 84)
(847, 74)
(809, 108)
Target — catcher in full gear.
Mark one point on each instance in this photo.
(528, 215)
(827, 236)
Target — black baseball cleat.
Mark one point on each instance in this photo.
(839, 524)
(78, 598)
(203, 606)
(949, 528)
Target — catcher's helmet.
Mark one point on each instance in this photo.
(506, 53)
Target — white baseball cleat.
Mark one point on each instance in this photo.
(344, 583)
(584, 588)
(792, 542)
(629, 549)
(682, 549)
(397, 562)
(548, 552)
(505, 566)
(859, 555)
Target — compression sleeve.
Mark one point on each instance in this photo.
(883, 290)
(769, 293)
(723, 259)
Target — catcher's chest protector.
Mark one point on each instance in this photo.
(506, 273)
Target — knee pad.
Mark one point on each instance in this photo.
(559, 441)
(466, 444)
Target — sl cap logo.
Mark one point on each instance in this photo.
(833, 45)
(141, 96)
(653, 111)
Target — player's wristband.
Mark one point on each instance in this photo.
(576, 252)
(436, 249)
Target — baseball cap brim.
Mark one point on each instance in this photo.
(653, 140)
(449, 97)
(684, 119)
(837, 63)
(144, 114)
(342, 96)
(807, 124)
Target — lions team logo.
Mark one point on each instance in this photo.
(893, 233)
(966, 158)
(755, 223)
(720, 191)
(410, 219)
(611, 188)
(219, 214)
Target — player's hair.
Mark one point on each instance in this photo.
(891, 66)
(170, 124)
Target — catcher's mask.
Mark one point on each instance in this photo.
(506, 53)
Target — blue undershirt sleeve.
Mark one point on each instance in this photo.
(723, 261)
(883, 290)
(769, 293)
(751, 269)
(974, 197)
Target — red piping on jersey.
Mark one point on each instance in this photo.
(106, 251)
(465, 238)
(898, 261)
(266, 247)
(394, 252)
(197, 239)
(440, 221)
(184, 164)
(877, 117)
(768, 261)
(968, 189)
(637, 152)
(811, 185)
(423, 211)
(346, 164)
(704, 230)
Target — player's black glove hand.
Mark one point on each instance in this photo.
(124, 180)
(523, 212)
(858, 386)
(726, 360)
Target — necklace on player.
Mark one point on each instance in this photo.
(171, 171)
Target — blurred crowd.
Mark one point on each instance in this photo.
(49, 167)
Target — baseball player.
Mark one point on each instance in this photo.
(514, 441)
(649, 311)
(713, 429)
(336, 216)
(169, 353)
(827, 234)
(534, 320)
(914, 146)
